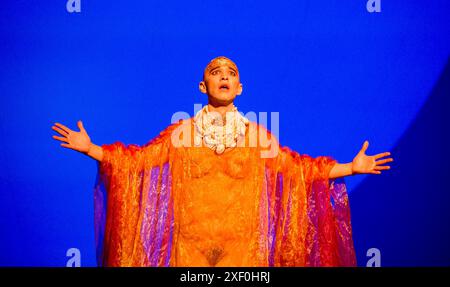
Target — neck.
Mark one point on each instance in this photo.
(221, 109)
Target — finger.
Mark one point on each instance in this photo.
(375, 172)
(63, 139)
(382, 167)
(80, 126)
(364, 147)
(62, 132)
(63, 127)
(380, 155)
(383, 161)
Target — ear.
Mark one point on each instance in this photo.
(202, 87)
(239, 89)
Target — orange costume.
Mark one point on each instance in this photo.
(162, 204)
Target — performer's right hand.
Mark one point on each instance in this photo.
(78, 141)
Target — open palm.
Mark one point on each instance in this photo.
(78, 141)
(363, 163)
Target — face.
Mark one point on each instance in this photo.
(221, 81)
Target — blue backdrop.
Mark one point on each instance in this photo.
(337, 74)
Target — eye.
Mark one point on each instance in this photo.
(233, 73)
(214, 72)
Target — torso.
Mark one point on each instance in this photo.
(215, 207)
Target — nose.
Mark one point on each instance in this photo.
(224, 76)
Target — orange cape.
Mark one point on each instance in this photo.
(163, 204)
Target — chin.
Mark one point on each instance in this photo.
(222, 99)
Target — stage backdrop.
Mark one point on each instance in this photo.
(337, 72)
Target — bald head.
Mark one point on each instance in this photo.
(220, 61)
(221, 81)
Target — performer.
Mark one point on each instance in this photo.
(218, 190)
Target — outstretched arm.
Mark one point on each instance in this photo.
(362, 164)
(78, 141)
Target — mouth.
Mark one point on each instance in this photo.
(224, 87)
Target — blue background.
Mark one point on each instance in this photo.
(337, 75)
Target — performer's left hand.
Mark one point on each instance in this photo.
(372, 164)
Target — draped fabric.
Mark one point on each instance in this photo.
(172, 204)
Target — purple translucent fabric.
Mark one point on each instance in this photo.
(157, 224)
(328, 241)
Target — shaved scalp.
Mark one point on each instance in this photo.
(219, 61)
